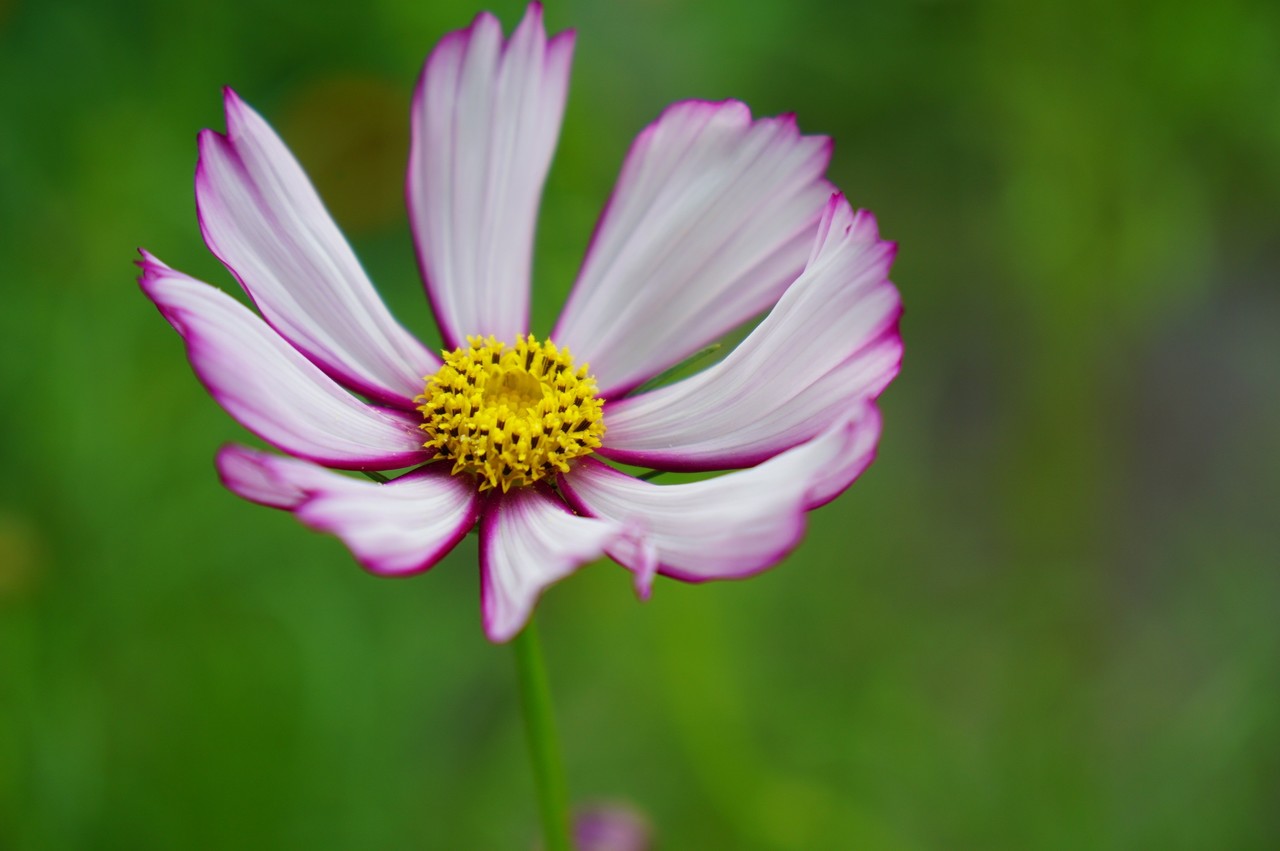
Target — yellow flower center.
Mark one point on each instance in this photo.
(511, 416)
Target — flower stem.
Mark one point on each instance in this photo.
(544, 746)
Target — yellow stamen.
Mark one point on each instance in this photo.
(511, 416)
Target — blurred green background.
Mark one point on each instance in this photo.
(1048, 617)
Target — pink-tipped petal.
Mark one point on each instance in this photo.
(734, 525)
(486, 117)
(712, 217)
(270, 388)
(829, 345)
(249, 474)
(528, 541)
(401, 527)
(263, 219)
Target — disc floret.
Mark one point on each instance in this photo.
(511, 415)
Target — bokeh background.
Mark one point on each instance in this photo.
(1048, 617)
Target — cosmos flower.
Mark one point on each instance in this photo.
(716, 218)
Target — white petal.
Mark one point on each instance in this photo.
(486, 117)
(529, 540)
(829, 345)
(263, 219)
(403, 526)
(734, 525)
(273, 390)
(247, 473)
(712, 217)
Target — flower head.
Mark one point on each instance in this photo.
(716, 218)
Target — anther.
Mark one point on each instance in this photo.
(506, 420)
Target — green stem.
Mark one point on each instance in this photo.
(544, 746)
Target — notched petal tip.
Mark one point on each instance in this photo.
(841, 227)
(248, 474)
(729, 110)
(533, 15)
(149, 265)
(237, 111)
(165, 287)
(482, 21)
(723, 252)
(273, 390)
(238, 117)
(529, 541)
(563, 40)
(859, 441)
(485, 121)
(831, 342)
(261, 216)
(399, 528)
(732, 526)
(206, 140)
